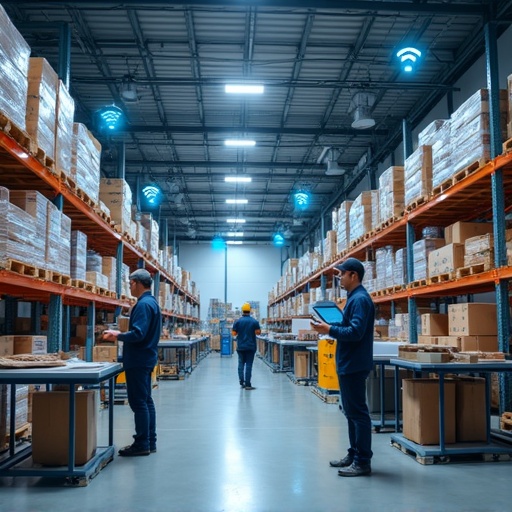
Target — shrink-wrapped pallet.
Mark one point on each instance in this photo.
(442, 168)
(43, 83)
(64, 131)
(78, 255)
(329, 245)
(343, 232)
(384, 263)
(361, 214)
(400, 267)
(418, 175)
(85, 161)
(117, 195)
(430, 134)
(470, 130)
(58, 240)
(421, 249)
(35, 204)
(14, 58)
(109, 269)
(17, 230)
(391, 193)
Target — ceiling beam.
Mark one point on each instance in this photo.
(257, 129)
(366, 6)
(227, 164)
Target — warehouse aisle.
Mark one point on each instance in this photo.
(221, 448)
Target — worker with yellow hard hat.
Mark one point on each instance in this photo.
(246, 328)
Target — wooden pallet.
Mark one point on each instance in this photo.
(472, 270)
(326, 395)
(445, 459)
(442, 278)
(443, 187)
(507, 146)
(470, 169)
(58, 278)
(417, 202)
(17, 133)
(25, 269)
(45, 160)
(85, 198)
(417, 283)
(68, 181)
(22, 432)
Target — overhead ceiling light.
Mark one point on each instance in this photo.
(238, 179)
(408, 58)
(234, 234)
(244, 89)
(235, 221)
(237, 201)
(360, 107)
(333, 169)
(234, 242)
(244, 143)
(278, 240)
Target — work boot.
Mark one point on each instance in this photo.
(133, 451)
(342, 463)
(356, 470)
(242, 384)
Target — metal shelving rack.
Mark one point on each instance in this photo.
(20, 170)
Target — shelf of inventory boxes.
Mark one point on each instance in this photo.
(22, 171)
(469, 197)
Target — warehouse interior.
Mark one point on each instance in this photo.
(378, 130)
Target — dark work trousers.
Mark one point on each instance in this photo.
(245, 361)
(138, 386)
(355, 408)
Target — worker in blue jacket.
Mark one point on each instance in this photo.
(354, 361)
(140, 356)
(246, 328)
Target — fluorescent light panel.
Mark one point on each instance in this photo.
(235, 221)
(234, 242)
(244, 89)
(236, 201)
(234, 234)
(238, 179)
(240, 142)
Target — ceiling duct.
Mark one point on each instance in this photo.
(360, 108)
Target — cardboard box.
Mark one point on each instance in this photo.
(445, 260)
(421, 411)
(427, 340)
(470, 409)
(471, 343)
(301, 364)
(459, 232)
(29, 345)
(50, 436)
(472, 319)
(6, 345)
(434, 324)
(104, 353)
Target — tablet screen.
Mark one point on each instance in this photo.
(329, 313)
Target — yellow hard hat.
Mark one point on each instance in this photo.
(246, 307)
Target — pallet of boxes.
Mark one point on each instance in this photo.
(467, 333)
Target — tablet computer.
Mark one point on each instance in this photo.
(328, 311)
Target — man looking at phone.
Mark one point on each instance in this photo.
(354, 361)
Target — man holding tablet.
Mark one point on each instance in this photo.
(354, 361)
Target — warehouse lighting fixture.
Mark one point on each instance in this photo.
(408, 58)
(241, 143)
(234, 242)
(238, 179)
(360, 108)
(218, 243)
(236, 201)
(278, 240)
(235, 221)
(234, 234)
(244, 89)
